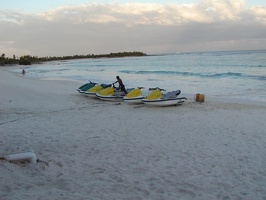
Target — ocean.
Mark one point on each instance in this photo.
(225, 74)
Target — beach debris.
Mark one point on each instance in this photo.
(30, 156)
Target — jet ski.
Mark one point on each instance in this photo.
(111, 94)
(97, 88)
(134, 96)
(157, 98)
(85, 87)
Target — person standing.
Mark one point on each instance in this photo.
(121, 85)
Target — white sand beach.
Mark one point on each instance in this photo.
(97, 150)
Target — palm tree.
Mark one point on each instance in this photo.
(2, 60)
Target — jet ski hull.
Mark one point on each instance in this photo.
(109, 97)
(133, 99)
(164, 102)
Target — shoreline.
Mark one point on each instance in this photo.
(238, 100)
(92, 149)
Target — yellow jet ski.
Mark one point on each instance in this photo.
(97, 88)
(111, 94)
(157, 98)
(134, 96)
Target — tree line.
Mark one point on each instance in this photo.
(28, 60)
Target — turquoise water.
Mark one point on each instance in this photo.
(232, 74)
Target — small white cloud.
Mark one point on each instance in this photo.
(260, 13)
(12, 17)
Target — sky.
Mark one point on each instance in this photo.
(81, 27)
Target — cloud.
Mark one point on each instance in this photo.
(149, 27)
(206, 11)
(259, 13)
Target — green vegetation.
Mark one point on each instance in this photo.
(28, 60)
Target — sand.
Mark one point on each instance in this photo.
(92, 149)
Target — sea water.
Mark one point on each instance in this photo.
(227, 74)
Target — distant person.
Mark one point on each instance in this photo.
(121, 85)
(23, 72)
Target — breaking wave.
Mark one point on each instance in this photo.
(194, 74)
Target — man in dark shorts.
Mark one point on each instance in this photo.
(121, 85)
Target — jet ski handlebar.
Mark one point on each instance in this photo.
(92, 82)
(157, 88)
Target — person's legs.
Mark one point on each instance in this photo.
(123, 89)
